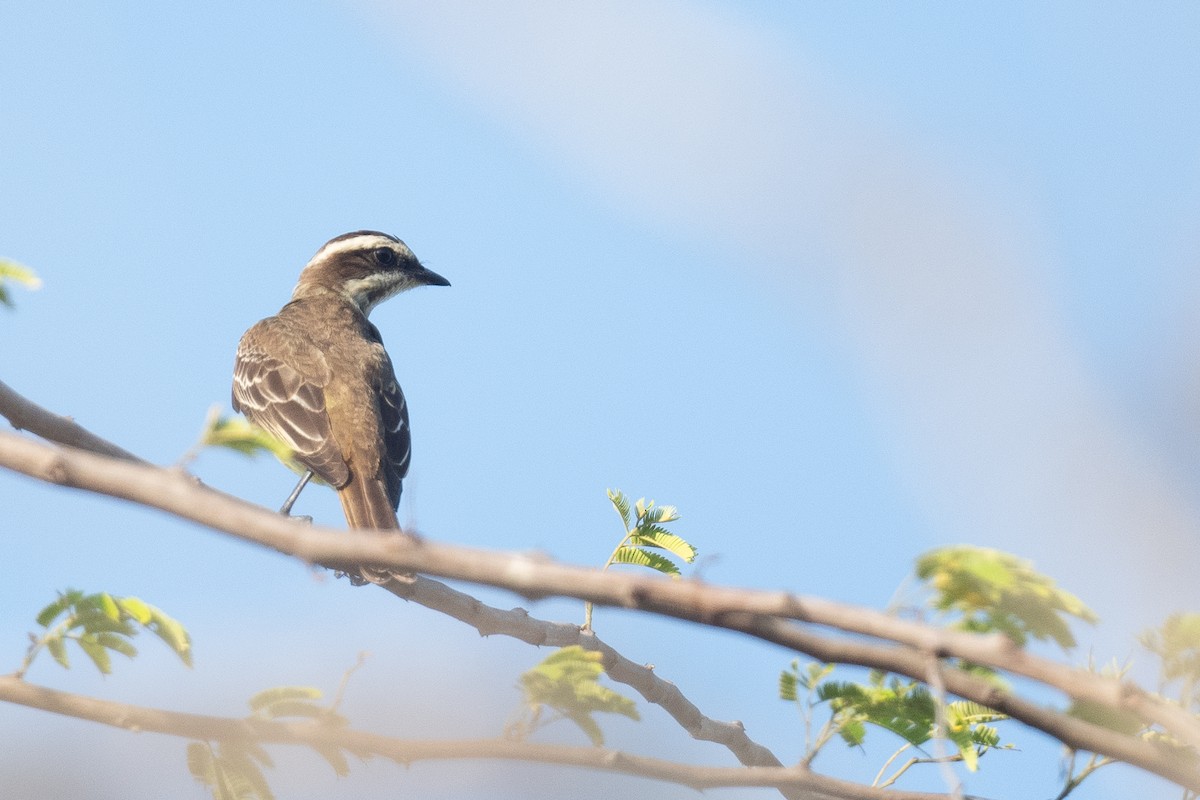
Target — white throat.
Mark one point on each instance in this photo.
(370, 291)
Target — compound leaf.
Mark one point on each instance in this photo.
(657, 536)
(567, 682)
(996, 591)
(644, 558)
(268, 699)
(621, 504)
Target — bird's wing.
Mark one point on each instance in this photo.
(397, 439)
(278, 398)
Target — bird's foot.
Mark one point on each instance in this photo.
(354, 576)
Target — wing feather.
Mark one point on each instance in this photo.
(276, 397)
(397, 437)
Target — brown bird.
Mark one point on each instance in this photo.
(317, 377)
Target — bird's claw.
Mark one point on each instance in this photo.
(355, 577)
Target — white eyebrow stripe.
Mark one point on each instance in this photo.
(366, 241)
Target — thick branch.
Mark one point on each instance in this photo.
(405, 751)
(740, 610)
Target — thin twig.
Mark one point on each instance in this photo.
(950, 759)
(888, 763)
(345, 681)
(1074, 780)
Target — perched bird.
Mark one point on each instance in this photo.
(317, 377)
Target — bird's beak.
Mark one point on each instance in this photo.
(430, 278)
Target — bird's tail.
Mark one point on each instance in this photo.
(366, 505)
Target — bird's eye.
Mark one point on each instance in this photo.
(385, 256)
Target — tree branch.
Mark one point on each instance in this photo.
(25, 415)
(405, 751)
(536, 576)
(994, 650)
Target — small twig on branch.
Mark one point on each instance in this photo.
(912, 762)
(1075, 779)
(340, 694)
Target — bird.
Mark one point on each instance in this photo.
(317, 377)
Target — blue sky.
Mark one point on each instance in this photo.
(844, 282)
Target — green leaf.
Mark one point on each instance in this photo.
(905, 709)
(814, 673)
(1177, 644)
(265, 700)
(58, 649)
(991, 590)
(135, 608)
(588, 726)
(656, 536)
(567, 682)
(793, 679)
(118, 643)
(245, 773)
(242, 436)
(107, 606)
(17, 273)
(645, 558)
(200, 762)
(101, 622)
(96, 652)
(787, 685)
(94, 620)
(621, 504)
(65, 600)
(962, 740)
(853, 733)
(230, 772)
(172, 633)
(985, 736)
(656, 514)
(965, 713)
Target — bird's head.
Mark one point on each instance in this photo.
(365, 267)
